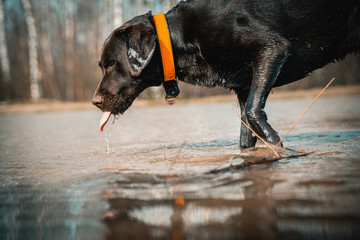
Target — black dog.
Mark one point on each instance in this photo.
(248, 46)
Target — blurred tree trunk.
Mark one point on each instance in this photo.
(35, 88)
(169, 4)
(69, 51)
(166, 5)
(118, 13)
(49, 66)
(4, 58)
(139, 7)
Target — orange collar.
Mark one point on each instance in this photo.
(167, 56)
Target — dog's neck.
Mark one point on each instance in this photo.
(192, 61)
(191, 66)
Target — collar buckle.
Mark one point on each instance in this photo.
(171, 91)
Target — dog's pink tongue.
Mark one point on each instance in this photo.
(105, 117)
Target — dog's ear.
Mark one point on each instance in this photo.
(140, 38)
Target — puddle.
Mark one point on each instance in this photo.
(149, 175)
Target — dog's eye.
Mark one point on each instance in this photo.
(109, 63)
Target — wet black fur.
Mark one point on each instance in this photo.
(248, 46)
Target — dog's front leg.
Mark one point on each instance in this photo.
(266, 68)
(246, 137)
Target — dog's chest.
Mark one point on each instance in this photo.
(220, 69)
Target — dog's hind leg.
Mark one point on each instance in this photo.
(266, 68)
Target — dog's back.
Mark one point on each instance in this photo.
(318, 32)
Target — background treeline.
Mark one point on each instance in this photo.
(50, 49)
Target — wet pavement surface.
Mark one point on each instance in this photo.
(147, 176)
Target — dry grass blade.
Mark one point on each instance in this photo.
(297, 121)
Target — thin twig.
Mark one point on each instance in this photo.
(304, 112)
(283, 157)
(267, 144)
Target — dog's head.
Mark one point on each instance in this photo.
(129, 64)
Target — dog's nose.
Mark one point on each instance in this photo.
(97, 101)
